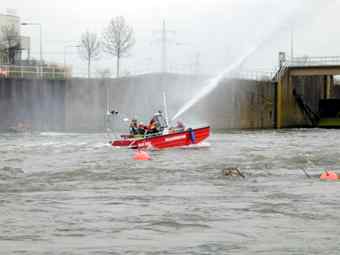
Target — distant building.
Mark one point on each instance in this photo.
(15, 60)
(12, 44)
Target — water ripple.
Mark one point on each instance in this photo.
(74, 194)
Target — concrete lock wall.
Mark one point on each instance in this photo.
(239, 104)
(35, 104)
(335, 91)
(311, 88)
(81, 104)
(87, 101)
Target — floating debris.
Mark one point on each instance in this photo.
(233, 171)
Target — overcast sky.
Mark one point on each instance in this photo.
(219, 31)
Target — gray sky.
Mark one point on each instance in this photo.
(219, 30)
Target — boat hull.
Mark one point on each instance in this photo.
(171, 140)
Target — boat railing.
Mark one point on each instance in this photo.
(163, 132)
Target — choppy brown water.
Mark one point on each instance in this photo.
(74, 194)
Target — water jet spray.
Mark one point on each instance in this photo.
(213, 83)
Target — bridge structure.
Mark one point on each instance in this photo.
(288, 96)
(303, 82)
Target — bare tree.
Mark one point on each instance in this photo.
(10, 43)
(118, 39)
(90, 48)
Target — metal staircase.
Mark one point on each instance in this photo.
(309, 113)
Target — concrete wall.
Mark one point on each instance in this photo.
(233, 104)
(35, 103)
(238, 104)
(311, 88)
(251, 104)
(141, 96)
(336, 91)
(80, 104)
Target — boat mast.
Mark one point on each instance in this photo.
(165, 110)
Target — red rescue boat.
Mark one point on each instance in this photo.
(166, 139)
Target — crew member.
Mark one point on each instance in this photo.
(141, 128)
(152, 127)
(180, 126)
(133, 127)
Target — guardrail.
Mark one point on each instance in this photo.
(253, 75)
(279, 72)
(305, 62)
(313, 61)
(34, 72)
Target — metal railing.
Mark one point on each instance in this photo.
(306, 62)
(313, 61)
(253, 75)
(34, 72)
(279, 72)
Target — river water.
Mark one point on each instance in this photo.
(74, 194)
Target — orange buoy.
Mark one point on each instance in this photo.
(329, 176)
(141, 155)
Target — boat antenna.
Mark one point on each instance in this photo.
(109, 121)
(165, 110)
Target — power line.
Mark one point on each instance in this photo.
(164, 42)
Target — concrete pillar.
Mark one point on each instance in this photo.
(289, 91)
(279, 103)
(328, 86)
(331, 88)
